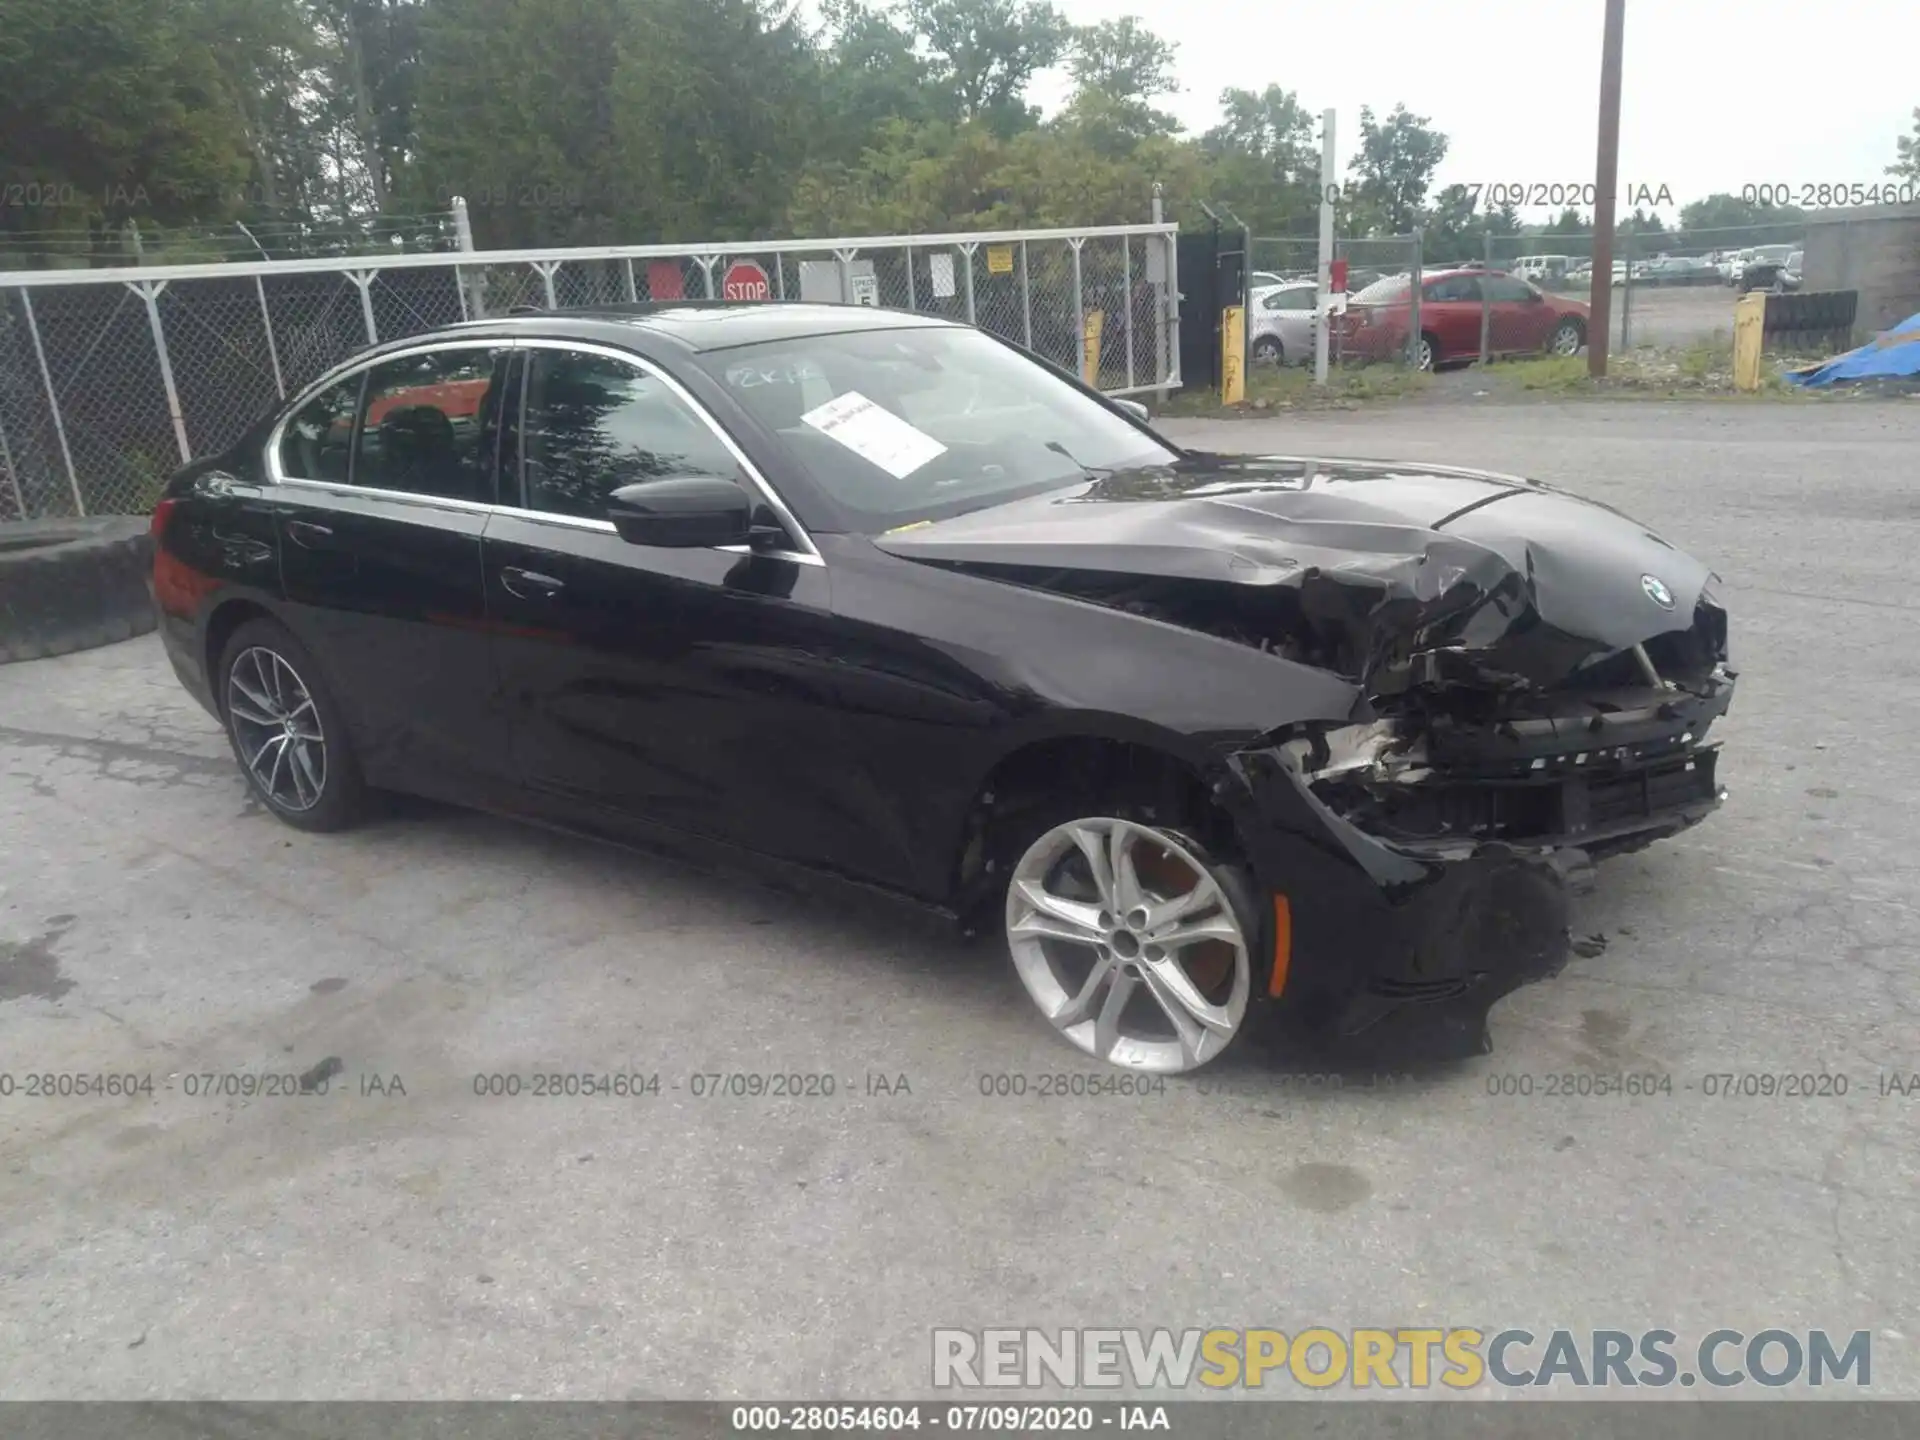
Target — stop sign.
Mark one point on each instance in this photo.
(745, 280)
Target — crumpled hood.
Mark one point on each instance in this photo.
(1529, 579)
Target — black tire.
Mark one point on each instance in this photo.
(1434, 360)
(1268, 350)
(1578, 331)
(69, 585)
(342, 795)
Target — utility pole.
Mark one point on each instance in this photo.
(1606, 181)
(1323, 292)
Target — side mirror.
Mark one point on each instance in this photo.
(681, 512)
(1136, 410)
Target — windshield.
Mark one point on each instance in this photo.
(898, 426)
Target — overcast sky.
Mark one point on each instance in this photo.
(1717, 94)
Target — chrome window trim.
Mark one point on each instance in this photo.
(403, 497)
(809, 554)
(346, 370)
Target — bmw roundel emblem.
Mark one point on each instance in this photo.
(1657, 591)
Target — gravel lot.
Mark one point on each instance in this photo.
(1676, 316)
(437, 1244)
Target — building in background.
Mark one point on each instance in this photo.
(1874, 249)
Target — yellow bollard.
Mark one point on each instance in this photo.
(1749, 327)
(1096, 325)
(1233, 355)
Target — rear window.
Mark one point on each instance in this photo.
(1385, 292)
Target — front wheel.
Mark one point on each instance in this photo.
(1267, 350)
(286, 731)
(1137, 945)
(1427, 354)
(1567, 338)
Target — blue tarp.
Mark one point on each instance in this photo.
(1892, 355)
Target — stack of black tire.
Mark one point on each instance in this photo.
(1811, 320)
(73, 584)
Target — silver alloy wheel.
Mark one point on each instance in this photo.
(277, 728)
(1566, 340)
(1128, 945)
(1425, 353)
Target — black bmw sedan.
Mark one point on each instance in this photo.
(1217, 743)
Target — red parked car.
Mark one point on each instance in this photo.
(1522, 319)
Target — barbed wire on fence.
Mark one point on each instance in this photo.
(134, 243)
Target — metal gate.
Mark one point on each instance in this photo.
(110, 379)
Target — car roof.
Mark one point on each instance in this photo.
(699, 324)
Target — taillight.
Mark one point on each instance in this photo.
(178, 588)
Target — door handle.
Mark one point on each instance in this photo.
(530, 584)
(308, 535)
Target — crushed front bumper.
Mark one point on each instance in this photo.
(1416, 906)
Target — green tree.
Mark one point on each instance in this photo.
(515, 111)
(933, 176)
(373, 57)
(871, 73)
(1906, 165)
(985, 52)
(1394, 169)
(1263, 162)
(111, 109)
(712, 118)
(1118, 68)
(1568, 233)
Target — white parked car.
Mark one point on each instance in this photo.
(1280, 325)
(1542, 269)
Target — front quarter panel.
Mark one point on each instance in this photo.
(945, 674)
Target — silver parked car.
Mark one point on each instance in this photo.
(1280, 324)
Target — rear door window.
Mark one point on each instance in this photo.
(1454, 288)
(431, 424)
(318, 441)
(1290, 300)
(1505, 288)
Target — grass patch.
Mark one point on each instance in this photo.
(1703, 370)
(1551, 373)
(1291, 387)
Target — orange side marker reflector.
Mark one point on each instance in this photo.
(1282, 944)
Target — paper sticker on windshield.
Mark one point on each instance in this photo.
(875, 435)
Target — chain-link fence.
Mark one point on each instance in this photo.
(1671, 290)
(109, 380)
(1283, 318)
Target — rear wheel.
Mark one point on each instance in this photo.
(286, 731)
(1267, 350)
(1138, 946)
(1567, 338)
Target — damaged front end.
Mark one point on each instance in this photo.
(1533, 681)
(1606, 759)
(1476, 787)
